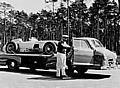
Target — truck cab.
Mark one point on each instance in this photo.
(91, 52)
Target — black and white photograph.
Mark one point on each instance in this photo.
(59, 43)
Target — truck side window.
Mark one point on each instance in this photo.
(84, 44)
(76, 44)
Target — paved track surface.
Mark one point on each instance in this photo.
(46, 79)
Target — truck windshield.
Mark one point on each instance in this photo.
(97, 43)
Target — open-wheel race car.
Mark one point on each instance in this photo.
(31, 46)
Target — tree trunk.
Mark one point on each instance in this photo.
(119, 4)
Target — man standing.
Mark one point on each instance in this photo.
(61, 58)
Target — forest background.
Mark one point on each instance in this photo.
(101, 21)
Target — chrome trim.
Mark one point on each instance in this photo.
(75, 63)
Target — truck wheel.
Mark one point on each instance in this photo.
(32, 69)
(49, 48)
(70, 70)
(81, 70)
(11, 47)
(12, 65)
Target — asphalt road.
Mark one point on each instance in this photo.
(46, 79)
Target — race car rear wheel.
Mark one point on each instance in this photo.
(49, 48)
(11, 47)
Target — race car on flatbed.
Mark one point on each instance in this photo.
(31, 46)
(86, 53)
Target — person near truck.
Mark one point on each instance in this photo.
(61, 58)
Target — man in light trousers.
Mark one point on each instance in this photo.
(61, 58)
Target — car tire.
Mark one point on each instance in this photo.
(81, 70)
(11, 47)
(12, 65)
(32, 69)
(49, 48)
(70, 70)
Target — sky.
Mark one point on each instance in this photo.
(35, 5)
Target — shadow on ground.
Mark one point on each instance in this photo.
(50, 75)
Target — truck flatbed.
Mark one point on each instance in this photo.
(14, 61)
(33, 55)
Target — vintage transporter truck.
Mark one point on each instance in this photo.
(85, 54)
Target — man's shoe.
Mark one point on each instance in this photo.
(65, 77)
(58, 76)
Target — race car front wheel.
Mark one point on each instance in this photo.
(49, 48)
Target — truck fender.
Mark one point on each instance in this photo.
(14, 58)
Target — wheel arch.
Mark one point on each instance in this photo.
(14, 58)
(98, 58)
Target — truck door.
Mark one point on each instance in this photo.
(83, 53)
